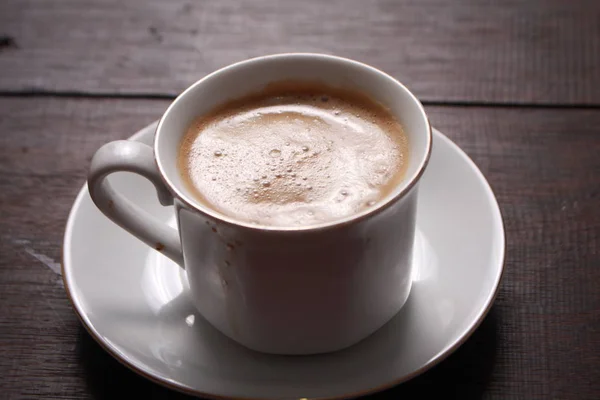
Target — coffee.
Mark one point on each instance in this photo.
(294, 154)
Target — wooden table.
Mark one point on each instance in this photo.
(515, 83)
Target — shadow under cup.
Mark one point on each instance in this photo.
(297, 290)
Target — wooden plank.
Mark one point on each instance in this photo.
(540, 341)
(46, 146)
(542, 51)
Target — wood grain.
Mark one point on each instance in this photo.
(541, 340)
(514, 51)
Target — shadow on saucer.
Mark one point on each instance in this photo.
(106, 378)
(463, 375)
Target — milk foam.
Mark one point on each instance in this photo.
(297, 155)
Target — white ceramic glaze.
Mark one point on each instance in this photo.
(291, 290)
(136, 303)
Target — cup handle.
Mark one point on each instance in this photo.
(130, 156)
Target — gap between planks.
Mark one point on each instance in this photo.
(167, 96)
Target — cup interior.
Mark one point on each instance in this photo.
(253, 75)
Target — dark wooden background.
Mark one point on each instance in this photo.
(515, 83)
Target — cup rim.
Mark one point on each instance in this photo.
(349, 220)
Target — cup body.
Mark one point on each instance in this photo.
(298, 290)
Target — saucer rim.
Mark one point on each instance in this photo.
(182, 388)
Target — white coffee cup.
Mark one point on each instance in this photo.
(292, 290)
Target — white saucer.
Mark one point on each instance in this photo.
(134, 301)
